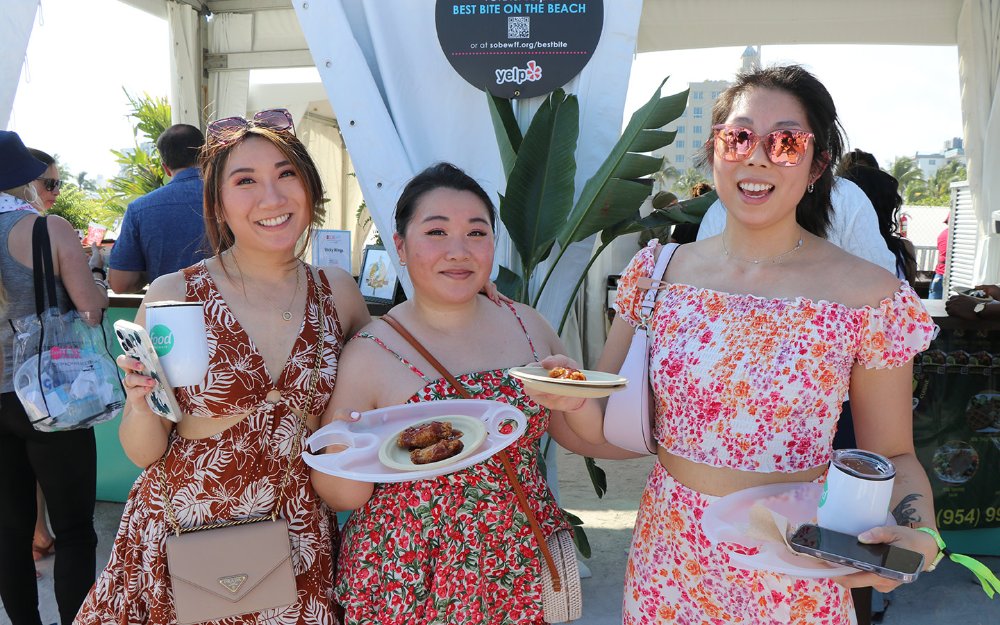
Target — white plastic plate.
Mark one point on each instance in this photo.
(364, 438)
(395, 457)
(597, 384)
(727, 518)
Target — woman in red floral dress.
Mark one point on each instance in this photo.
(453, 549)
(758, 336)
(227, 457)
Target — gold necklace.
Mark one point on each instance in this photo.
(756, 261)
(286, 313)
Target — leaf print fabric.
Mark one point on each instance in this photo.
(754, 384)
(232, 475)
(456, 548)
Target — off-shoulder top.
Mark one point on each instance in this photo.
(238, 381)
(756, 383)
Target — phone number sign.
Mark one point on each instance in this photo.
(518, 49)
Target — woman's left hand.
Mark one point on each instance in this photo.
(491, 291)
(905, 537)
(551, 401)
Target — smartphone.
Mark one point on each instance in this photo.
(885, 560)
(136, 344)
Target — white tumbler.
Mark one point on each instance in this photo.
(857, 491)
(177, 330)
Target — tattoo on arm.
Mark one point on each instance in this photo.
(904, 512)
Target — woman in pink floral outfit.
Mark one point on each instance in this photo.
(759, 334)
(453, 549)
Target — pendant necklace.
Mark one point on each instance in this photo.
(756, 261)
(286, 313)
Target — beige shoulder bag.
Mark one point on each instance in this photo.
(230, 568)
(562, 596)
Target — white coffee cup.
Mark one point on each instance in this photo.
(857, 491)
(177, 330)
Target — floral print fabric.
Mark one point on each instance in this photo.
(757, 384)
(456, 548)
(753, 384)
(232, 475)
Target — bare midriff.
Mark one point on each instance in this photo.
(720, 481)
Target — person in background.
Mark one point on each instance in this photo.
(883, 191)
(856, 158)
(48, 186)
(972, 307)
(269, 317)
(758, 335)
(164, 230)
(937, 282)
(454, 548)
(64, 463)
(699, 189)
(688, 233)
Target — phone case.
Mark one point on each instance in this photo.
(881, 571)
(135, 343)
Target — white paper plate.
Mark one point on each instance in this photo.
(727, 518)
(503, 423)
(395, 457)
(594, 378)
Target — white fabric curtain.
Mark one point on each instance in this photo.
(185, 64)
(228, 90)
(979, 68)
(16, 21)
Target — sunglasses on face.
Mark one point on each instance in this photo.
(50, 184)
(225, 129)
(785, 148)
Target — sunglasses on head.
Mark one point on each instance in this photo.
(225, 129)
(50, 184)
(785, 148)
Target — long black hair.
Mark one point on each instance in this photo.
(883, 191)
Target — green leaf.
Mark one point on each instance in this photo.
(506, 129)
(539, 192)
(509, 283)
(649, 140)
(619, 199)
(581, 541)
(688, 211)
(597, 476)
(622, 163)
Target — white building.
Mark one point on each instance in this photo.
(930, 163)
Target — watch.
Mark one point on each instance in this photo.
(978, 308)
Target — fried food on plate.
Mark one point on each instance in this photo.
(566, 373)
(426, 434)
(436, 452)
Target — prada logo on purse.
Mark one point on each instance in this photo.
(233, 583)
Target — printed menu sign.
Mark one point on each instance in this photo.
(332, 247)
(518, 49)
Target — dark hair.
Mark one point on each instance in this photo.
(813, 210)
(699, 189)
(179, 146)
(883, 191)
(684, 233)
(42, 156)
(441, 175)
(856, 158)
(213, 161)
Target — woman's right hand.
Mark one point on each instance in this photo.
(137, 385)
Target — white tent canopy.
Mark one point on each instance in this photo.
(368, 57)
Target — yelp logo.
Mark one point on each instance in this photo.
(518, 75)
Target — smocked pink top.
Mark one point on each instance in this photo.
(757, 384)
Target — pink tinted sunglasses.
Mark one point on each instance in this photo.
(225, 129)
(785, 148)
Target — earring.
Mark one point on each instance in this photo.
(810, 188)
(402, 263)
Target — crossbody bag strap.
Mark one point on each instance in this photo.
(515, 483)
(655, 283)
(43, 268)
(296, 443)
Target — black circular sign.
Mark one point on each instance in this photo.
(519, 49)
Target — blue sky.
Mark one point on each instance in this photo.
(893, 100)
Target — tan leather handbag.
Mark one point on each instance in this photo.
(562, 595)
(231, 568)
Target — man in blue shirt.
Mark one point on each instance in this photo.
(164, 230)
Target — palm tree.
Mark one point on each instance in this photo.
(687, 180)
(905, 170)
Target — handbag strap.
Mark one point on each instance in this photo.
(515, 484)
(44, 272)
(296, 443)
(655, 284)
